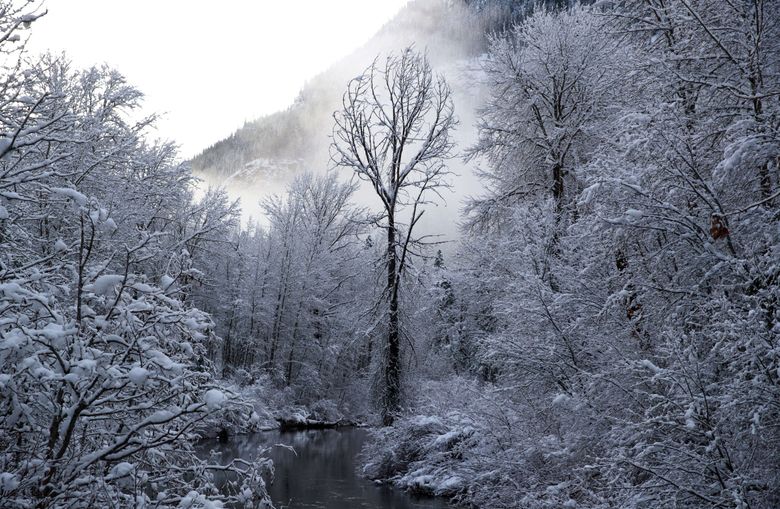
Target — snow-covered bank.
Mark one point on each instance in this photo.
(265, 408)
(471, 445)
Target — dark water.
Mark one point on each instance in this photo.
(322, 473)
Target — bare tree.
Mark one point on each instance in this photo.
(394, 133)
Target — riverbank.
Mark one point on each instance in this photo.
(264, 407)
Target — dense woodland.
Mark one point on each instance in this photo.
(605, 333)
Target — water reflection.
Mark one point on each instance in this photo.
(322, 472)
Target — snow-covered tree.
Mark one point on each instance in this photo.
(552, 80)
(103, 381)
(394, 133)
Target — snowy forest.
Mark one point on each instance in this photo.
(604, 332)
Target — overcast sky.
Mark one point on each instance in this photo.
(211, 65)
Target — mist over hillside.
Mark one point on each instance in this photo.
(262, 156)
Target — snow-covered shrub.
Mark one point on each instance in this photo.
(255, 413)
(477, 446)
(103, 403)
(325, 410)
(400, 446)
(429, 454)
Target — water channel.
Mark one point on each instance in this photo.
(322, 472)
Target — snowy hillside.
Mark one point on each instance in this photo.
(451, 33)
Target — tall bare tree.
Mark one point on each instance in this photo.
(394, 133)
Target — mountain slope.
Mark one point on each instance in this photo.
(271, 149)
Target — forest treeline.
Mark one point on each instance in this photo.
(604, 334)
(611, 314)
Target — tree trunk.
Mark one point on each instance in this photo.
(281, 299)
(557, 190)
(392, 361)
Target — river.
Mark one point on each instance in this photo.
(322, 472)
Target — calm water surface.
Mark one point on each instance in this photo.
(322, 472)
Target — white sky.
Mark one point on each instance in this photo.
(211, 65)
